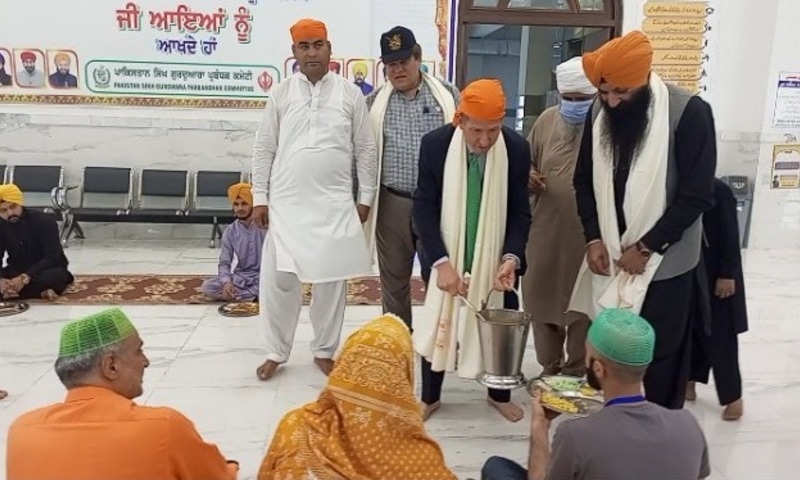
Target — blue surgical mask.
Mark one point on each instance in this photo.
(575, 111)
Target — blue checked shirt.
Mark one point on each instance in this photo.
(404, 124)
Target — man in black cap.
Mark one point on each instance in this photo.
(410, 105)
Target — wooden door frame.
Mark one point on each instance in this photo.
(610, 18)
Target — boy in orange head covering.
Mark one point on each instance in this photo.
(644, 232)
(474, 174)
(242, 240)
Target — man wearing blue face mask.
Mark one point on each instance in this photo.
(556, 244)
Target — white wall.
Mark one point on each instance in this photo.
(750, 46)
(777, 211)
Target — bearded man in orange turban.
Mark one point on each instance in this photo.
(242, 240)
(643, 179)
(472, 213)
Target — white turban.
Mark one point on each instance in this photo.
(571, 78)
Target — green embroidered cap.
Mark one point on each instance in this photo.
(623, 337)
(95, 331)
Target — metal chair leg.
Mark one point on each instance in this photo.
(78, 230)
(66, 230)
(213, 242)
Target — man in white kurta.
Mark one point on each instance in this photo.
(314, 125)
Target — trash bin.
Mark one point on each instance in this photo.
(742, 188)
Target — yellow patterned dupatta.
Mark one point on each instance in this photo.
(366, 424)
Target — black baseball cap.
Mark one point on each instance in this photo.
(397, 44)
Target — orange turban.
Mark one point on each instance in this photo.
(11, 193)
(482, 100)
(308, 29)
(623, 62)
(240, 190)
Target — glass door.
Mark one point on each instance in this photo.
(524, 58)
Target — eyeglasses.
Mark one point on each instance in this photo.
(399, 64)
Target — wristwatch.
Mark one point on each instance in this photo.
(643, 250)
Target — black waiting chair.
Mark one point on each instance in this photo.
(106, 194)
(210, 199)
(162, 193)
(42, 186)
(3, 172)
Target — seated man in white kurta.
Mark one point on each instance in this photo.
(314, 125)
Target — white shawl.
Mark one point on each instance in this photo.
(645, 202)
(445, 100)
(446, 333)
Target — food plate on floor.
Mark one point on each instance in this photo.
(239, 309)
(8, 308)
(567, 395)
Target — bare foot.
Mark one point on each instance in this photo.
(3, 394)
(691, 393)
(510, 410)
(50, 295)
(733, 411)
(427, 410)
(267, 370)
(324, 364)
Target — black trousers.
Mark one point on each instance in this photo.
(669, 307)
(432, 381)
(720, 352)
(56, 279)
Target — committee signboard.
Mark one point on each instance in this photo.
(189, 53)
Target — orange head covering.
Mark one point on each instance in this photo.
(308, 29)
(366, 423)
(482, 100)
(623, 62)
(11, 193)
(240, 190)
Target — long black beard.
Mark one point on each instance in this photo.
(626, 125)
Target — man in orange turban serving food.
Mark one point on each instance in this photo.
(244, 241)
(472, 213)
(642, 182)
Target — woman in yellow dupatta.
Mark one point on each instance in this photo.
(366, 424)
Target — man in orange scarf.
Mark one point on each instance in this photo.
(357, 430)
(99, 433)
(653, 149)
(472, 173)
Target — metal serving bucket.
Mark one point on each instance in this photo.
(503, 334)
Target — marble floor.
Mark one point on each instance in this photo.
(203, 365)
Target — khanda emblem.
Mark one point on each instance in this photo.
(395, 42)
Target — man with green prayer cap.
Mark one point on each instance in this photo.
(630, 437)
(99, 433)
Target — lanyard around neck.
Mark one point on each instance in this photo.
(625, 400)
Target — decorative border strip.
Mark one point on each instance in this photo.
(133, 101)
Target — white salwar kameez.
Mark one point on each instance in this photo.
(302, 169)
